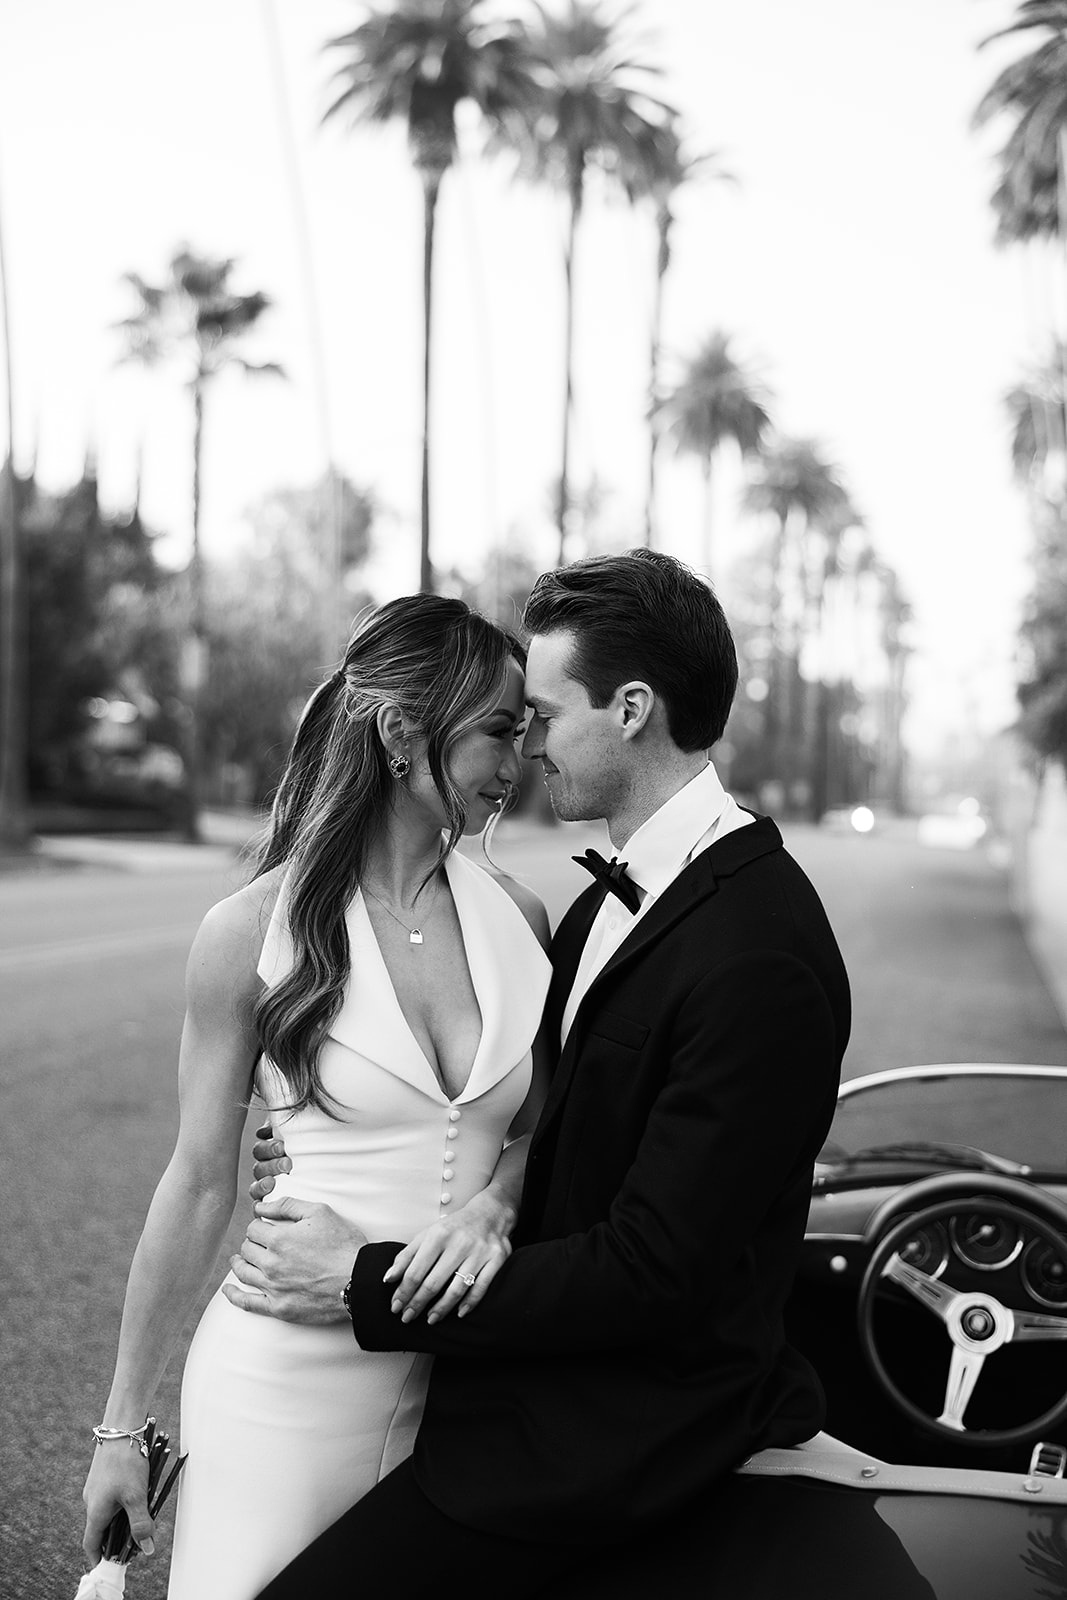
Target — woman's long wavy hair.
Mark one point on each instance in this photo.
(445, 666)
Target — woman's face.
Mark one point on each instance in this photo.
(482, 763)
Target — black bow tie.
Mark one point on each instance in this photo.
(613, 875)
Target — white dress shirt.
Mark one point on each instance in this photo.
(684, 825)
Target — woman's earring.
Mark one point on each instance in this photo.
(399, 766)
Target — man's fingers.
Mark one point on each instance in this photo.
(264, 1131)
(248, 1272)
(271, 1169)
(261, 1188)
(260, 1232)
(246, 1300)
(287, 1209)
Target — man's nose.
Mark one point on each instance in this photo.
(533, 745)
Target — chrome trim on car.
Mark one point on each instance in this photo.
(948, 1069)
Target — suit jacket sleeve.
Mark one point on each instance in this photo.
(744, 1100)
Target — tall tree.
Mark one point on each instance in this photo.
(415, 62)
(716, 402)
(801, 489)
(671, 169)
(196, 322)
(1032, 92)
(593, 107)
(1037, 412)
(14, 812)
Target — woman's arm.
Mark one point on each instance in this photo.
(194, 1199)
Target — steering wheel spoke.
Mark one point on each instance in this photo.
(1035, 1325)
(931, 1292)
(977, 1321)
(963, 1373)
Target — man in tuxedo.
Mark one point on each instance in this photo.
(631, 1351)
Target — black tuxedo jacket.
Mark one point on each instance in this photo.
(631, 1350)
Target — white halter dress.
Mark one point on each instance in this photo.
(287, 1426)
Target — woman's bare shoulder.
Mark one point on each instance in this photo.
(529, 903)
(231, 935)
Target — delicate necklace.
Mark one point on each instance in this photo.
(414, 934)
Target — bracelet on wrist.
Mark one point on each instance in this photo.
(136, 1436)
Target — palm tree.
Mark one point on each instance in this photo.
(1037, 411)
(417, 61)
(593, 107)
(196, 322)
(801, 490)
(1033, 91)
(716, 402)
(672, 169)
(823, 573)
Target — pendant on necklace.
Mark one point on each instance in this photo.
(415, 936)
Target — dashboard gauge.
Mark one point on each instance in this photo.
(1044, 1274)
(983, 1240)
(926, 1249)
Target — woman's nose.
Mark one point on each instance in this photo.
(511, 766)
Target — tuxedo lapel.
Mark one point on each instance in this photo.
(566, 952)
(692, 887)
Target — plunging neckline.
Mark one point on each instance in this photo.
(434, 1072)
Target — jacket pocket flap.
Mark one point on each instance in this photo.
(620, 1030)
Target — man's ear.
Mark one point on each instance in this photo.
(634, 703)
(391, 729)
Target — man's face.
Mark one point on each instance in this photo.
(577, 745)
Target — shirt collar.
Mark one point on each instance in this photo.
(656, 852)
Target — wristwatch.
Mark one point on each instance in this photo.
(345, 1293)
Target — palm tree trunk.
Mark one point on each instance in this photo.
(193, 666)
(431, 183)
(563, 503)
(776, 673)
(709, 513)
(14, 807)
(653, 391)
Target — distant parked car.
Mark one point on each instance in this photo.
(960, 828)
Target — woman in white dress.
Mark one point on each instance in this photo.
(382, 994)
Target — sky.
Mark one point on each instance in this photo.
(852, 264)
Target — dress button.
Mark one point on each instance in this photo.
(454, 1115)
(447, 1175)
(452, 1133)
(450, 1155)
(446, 1199)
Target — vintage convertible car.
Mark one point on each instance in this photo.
(932, 1299)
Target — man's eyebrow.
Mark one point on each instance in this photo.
(538, 705)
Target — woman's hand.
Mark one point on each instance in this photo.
(434, 1269)
(117, 1481)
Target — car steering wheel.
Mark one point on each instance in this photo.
(976, 1322)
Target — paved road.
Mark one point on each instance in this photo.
(91, 967)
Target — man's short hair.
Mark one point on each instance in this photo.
(647, 616)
